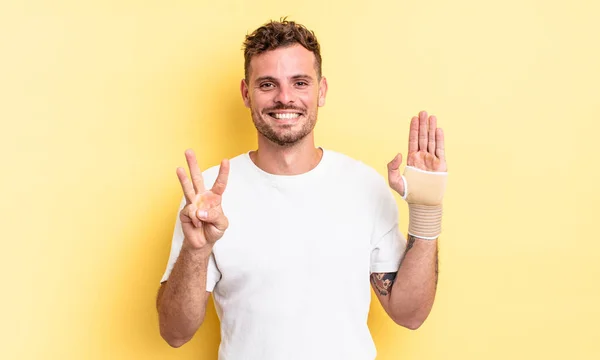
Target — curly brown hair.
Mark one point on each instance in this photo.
(277, 34)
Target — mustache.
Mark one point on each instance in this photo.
(283, 107)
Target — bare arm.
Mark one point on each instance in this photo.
(181, 301)
(408, 295)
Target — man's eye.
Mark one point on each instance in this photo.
(266, 85)
(301, 83)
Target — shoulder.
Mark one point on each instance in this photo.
(237, 165)
(354, 169)
(361, 179)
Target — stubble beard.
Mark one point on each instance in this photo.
(284, 135)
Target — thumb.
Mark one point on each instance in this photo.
(215, 217)
(394, 177)
(394, 165)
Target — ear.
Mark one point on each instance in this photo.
(322, 91)
(244, 91)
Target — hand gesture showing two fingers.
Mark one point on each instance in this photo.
(202, 219)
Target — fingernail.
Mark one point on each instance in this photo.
(202, 214)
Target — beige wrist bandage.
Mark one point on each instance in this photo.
(424, 191)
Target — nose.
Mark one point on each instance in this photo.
(284, 95)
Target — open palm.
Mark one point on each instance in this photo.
(425, 150)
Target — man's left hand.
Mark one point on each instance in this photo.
(425, 150)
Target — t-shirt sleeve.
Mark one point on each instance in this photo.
(387, 241)
(213, 275)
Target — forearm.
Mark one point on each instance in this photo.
(414, 288)
(182, 304)
(422, 186)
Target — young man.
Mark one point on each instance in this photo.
(286, 237)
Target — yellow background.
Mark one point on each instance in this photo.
(99, 100)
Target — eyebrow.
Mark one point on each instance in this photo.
(295, 77)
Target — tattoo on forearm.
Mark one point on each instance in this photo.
(383, 282)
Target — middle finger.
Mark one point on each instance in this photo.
(423, 131)
(432, 127)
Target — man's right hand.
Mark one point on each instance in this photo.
(202, 218)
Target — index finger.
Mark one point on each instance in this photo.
(195, 172)
(413, 135)
(221, 182)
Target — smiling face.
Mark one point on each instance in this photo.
(283, 93)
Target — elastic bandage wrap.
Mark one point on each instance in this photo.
(424, 191)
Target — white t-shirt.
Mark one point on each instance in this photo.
(290, 277)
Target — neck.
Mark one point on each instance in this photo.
(286, 160)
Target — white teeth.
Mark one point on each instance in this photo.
(285, 115)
